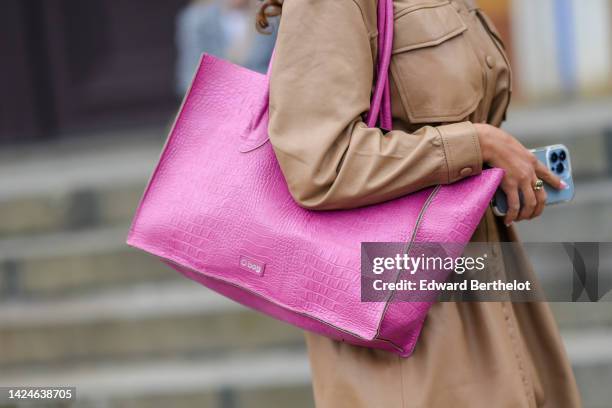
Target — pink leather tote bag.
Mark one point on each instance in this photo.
(217, 209)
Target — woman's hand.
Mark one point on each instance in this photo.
(500, 149)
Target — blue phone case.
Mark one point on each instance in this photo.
(557, 159)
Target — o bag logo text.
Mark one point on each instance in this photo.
(251, 265)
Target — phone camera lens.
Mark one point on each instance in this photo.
(560, 168)
(554, 157)
(562, 155)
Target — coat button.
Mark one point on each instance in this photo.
(490, 61)
(465, 172)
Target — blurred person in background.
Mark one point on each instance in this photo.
(450, 89)
(223, 28)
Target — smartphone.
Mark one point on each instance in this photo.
(557, 159)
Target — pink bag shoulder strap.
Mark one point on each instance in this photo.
(380, 105)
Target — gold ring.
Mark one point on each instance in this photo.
(538, 185)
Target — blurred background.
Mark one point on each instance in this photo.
(90, 89)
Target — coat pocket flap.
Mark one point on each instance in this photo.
(425, 25)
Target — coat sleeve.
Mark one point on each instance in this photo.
(320, 87)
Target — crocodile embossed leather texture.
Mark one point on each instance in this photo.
(217, 209)
(225, 218)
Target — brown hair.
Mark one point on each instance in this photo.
(267, 9)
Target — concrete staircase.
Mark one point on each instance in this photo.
(586, 128)
(78, 307)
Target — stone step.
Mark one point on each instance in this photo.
(274, 378)
(68, 262)
(137, 322)
(585, 126)
(72, 188)
(591, 354)
(266, 377)
(581, 316)
(587, 218)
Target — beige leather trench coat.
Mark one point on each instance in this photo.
(449, 70)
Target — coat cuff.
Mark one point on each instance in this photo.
(462, 150)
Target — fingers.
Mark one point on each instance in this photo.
(548, 177)
(514, 205)
(529, 201)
